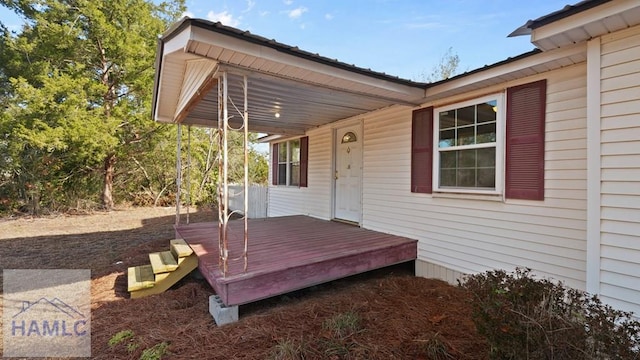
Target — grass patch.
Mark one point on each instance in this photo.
(344, 325)
(435, 348)
(120, 336)
(287, 350)
(156, 352)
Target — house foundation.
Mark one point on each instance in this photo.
(430, 270)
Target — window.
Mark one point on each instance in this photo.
(290, 162)
(460, 148)
(467, 146)
(349, 137)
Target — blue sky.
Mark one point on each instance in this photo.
(404, 38)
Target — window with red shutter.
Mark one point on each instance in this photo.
(422, 150)
(526, 107)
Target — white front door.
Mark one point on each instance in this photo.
(348, 174)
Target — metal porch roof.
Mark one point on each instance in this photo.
(305, 89)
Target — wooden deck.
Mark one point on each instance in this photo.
(291, 253)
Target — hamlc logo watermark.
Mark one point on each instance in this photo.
(46, 313)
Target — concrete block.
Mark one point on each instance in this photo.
(221, 313)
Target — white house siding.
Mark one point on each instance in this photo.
(314, 200)
(620, 174)
(463, 234)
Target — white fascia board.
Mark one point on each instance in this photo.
(583, 18)
(509, 68)
(178, 42)
(164, 119)
(260, 51)
(270, 138)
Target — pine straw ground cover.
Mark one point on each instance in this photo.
(386, 314)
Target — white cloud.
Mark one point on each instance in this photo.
(188, 14)
(328, 16)
(224, 17)
(250, 5)
(264, 13)
(426, 25)
(287, 2)
(296, 13)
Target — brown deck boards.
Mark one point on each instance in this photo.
(290, 253)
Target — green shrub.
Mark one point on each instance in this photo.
(527, 318)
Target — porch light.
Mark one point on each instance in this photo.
(277, 115)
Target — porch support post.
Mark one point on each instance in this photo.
(245, 125)
(222, 166)
(224, 101)
(178, 172)
(188, 170)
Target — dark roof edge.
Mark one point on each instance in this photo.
(487, 67)
(565, 12)
(156, 77)
(287, 49)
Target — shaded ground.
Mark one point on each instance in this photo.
(387, 314)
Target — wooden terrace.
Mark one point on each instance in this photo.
(290, 253)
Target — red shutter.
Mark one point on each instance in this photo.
(274, 165)
(526, 106)
(304, 160)
(422, 150)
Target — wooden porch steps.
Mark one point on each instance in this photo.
(165, 269)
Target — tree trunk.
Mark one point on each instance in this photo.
(107, 192)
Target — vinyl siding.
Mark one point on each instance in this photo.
(467, 234)
(620, 161)
(314, 200)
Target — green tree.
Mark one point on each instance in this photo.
(446, 68)
(76, 84)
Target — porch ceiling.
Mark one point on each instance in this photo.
(307, 90)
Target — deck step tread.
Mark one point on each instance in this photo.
(140, 277)
(163, 262)
(180, 248)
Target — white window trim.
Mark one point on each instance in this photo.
(287, 143)
(500, 145)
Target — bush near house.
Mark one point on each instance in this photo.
(527, 318)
